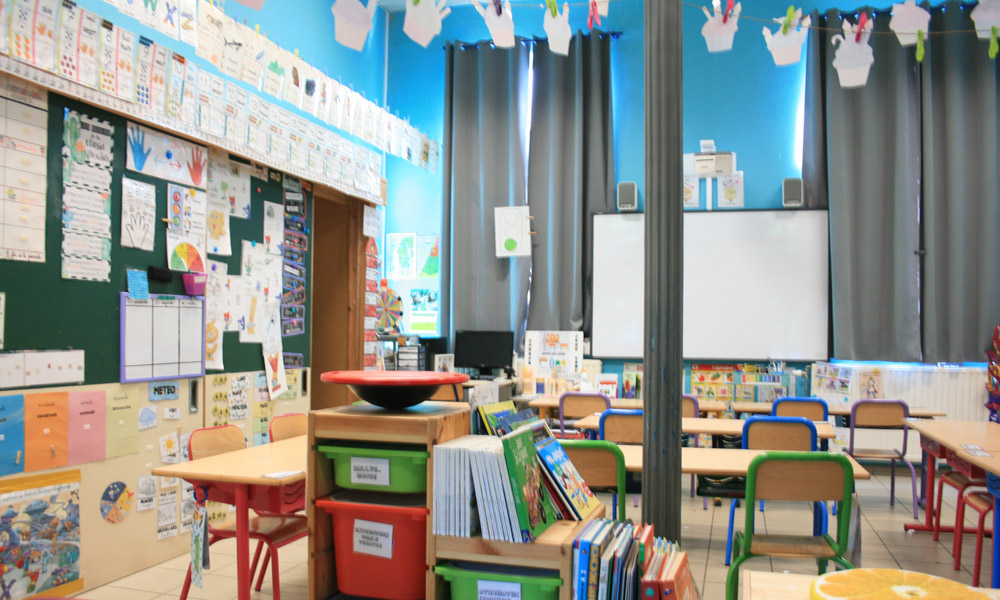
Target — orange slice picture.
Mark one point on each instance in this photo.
(889, 584)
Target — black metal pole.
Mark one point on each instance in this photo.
(661, 474)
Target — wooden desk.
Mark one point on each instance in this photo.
(837, 410)
(714, 461)
(710, 426)
(544, 404)
(764, 585)
(239, 471)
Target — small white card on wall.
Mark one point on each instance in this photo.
(513, 231)
(731, 190)
(3, 297)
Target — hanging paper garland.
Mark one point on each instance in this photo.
(910, 22)
(500, 21)
(786, 43)
(422, 21)
(556, 27)
(352, 22)
(986, 16)
(720, 29)
(853, 58)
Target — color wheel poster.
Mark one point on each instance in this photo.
(186, 217)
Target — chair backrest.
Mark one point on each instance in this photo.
(814, 409)
(879, 414)
(288, 426)
(209, 441)
(689, 406)
(601, 464)
(575, 405)
(802, 476)
(622, 426)
(779, 433)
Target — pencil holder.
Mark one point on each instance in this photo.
(194, 283)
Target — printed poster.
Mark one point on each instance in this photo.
(88, 149)
(188, 25)
(554, 351)
(44, 510)
(229, 184)
(272, 350)
(692, 191)
(3, 302)
(731, 190)
(187, 215)
(122, 423)
(274, 227)
(87, 423)
(46, 422)
(872, 385)
(428, 252)
(145, 495)
(11, 434)
(401, 256)
(160, 155)
(138, 214)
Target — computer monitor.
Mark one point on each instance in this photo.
(484, 350)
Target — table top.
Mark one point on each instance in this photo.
(714, 461)
(839, 410)
(953, 434)
(705, 406)
(248, 466)
(710, 426)
(765, 585)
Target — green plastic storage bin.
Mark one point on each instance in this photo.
(471, 581)
(379, 468)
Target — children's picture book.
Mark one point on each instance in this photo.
(508, 422)
(490, 414)
(632, 381)
(565, 478)
(534, 511)
(607, 383)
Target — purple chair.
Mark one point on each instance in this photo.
(884, 414)
(690, 409)
(576, 405)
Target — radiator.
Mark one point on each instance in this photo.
(959, 392)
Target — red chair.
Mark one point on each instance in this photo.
(982, 503)
(273, 531)
(961, 482)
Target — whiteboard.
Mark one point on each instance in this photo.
(756, 285)
(618, 285)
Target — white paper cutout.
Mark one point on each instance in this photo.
(986, 16)
(557, 28)
(603, 6)
(501, 26)
(853, 59)
(718, 34)
(907, 19)
(352, 22)
(423, 20)
(786, 48)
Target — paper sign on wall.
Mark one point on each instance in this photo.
(87, 426)
(122, 421)
(11, 434)
(138, 214)
(731, 190)
(146, 493)
(46, 419)
(513, 231)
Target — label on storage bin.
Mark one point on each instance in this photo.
(373, 538)
(498, 590)
(370, 471)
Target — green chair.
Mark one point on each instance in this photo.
(795, 476)
(602, 465)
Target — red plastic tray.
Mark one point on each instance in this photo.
(394, 389)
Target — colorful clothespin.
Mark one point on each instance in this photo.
(862, 21)
(498, 5)
(920, 45)
(789, 17)
(994, 47)
(552, 8)
(729, 11)
(594, 15)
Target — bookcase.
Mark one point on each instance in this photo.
(423, 426)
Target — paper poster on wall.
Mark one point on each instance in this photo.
(87, 426)
(428, 252)
(46, 423)
(122, 421)
(145, 493)
(166, 518)
(871, 383)
(401, 255)
(692, 191)
(148, 418)
(731, 190)
(188, 21)
(219, 240)
(274, 227)
(187, 214)
(11, 434)
(3, 306)
(88, 149)
(44, 510)
(116, 502)
(214, 328)
(210, 38)
(160, 155)
(229, 184)
(554, 351)
(271, 347)
(138, 214)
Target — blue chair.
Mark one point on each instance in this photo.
(776, 433)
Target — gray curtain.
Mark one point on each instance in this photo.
(961, 206)
(486, 108)
(861, 157)
(571, 176)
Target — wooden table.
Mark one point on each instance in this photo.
(824, 431)
(951, 435)
(837, 410)
(764, 585)
(714, 461)
(238, 471)
(544, 404)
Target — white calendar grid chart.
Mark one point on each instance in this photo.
(23, 138)
(162, 337)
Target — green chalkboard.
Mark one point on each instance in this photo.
(46, 312)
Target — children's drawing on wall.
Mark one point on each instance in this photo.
(556, 26)
(499, 20)
(401, 256)
(40, 535)
(116, 502)
(428, 252)
(423, 311)
(872, 385)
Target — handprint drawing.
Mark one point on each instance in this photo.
(501, 25)
(423, 20)
(196, 166)
(557, 28)
(137, 144)
(352, 22)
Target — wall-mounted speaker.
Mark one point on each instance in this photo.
(791, 192)
(628, 196)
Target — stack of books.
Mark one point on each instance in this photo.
(508, 488)
(616, 560)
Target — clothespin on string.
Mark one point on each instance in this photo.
(729, 11)
(552, 8)
(994, 47)
(789, 17)
(862, 21)
(498, 5)
(920, 45)
(594, 15)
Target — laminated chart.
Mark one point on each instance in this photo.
(87, 153)
(23, 167)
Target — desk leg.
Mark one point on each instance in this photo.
(996, 542)
(243, 541)
(928, 524)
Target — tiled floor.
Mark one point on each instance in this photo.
(884, 544)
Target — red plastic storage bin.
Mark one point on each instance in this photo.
(380, 543)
